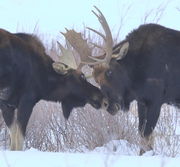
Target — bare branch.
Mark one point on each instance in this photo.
(154, 15)
(178, 8)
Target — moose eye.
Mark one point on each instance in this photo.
(82, 76)
(66, 67)
(108, 73)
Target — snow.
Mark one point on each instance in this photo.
(116, 153)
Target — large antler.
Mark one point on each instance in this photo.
(81, 46)
(66, 60)
(107, 37)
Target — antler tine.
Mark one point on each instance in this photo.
(108, 38)
(85, 52)
(61, 47)
(96, 45)
(91, 29)
(67, 57)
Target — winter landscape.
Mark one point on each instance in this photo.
(94, 138)
(87, 140)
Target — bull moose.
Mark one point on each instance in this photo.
(28, 74)
(145, 67)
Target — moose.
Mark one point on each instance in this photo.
(145, 67)
(28, 74)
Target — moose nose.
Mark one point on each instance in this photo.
(105, 104)
(117, 106)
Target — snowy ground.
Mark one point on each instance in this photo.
(113, 154)
(116, 153)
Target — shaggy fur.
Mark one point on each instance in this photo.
(27, 76)
(149, 74)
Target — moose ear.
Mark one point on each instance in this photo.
(60, 68)
(123, 49)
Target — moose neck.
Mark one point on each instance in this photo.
(56, 88)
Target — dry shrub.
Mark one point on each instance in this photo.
(86, 127)
(4, 136)
(167, 136)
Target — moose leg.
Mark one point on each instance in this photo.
(17, 138)
(10, 119)
(8, 114)
(21, 117)
(148, 116)
(25, 108)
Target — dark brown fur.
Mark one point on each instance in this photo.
(27, 76)
(149, 74)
